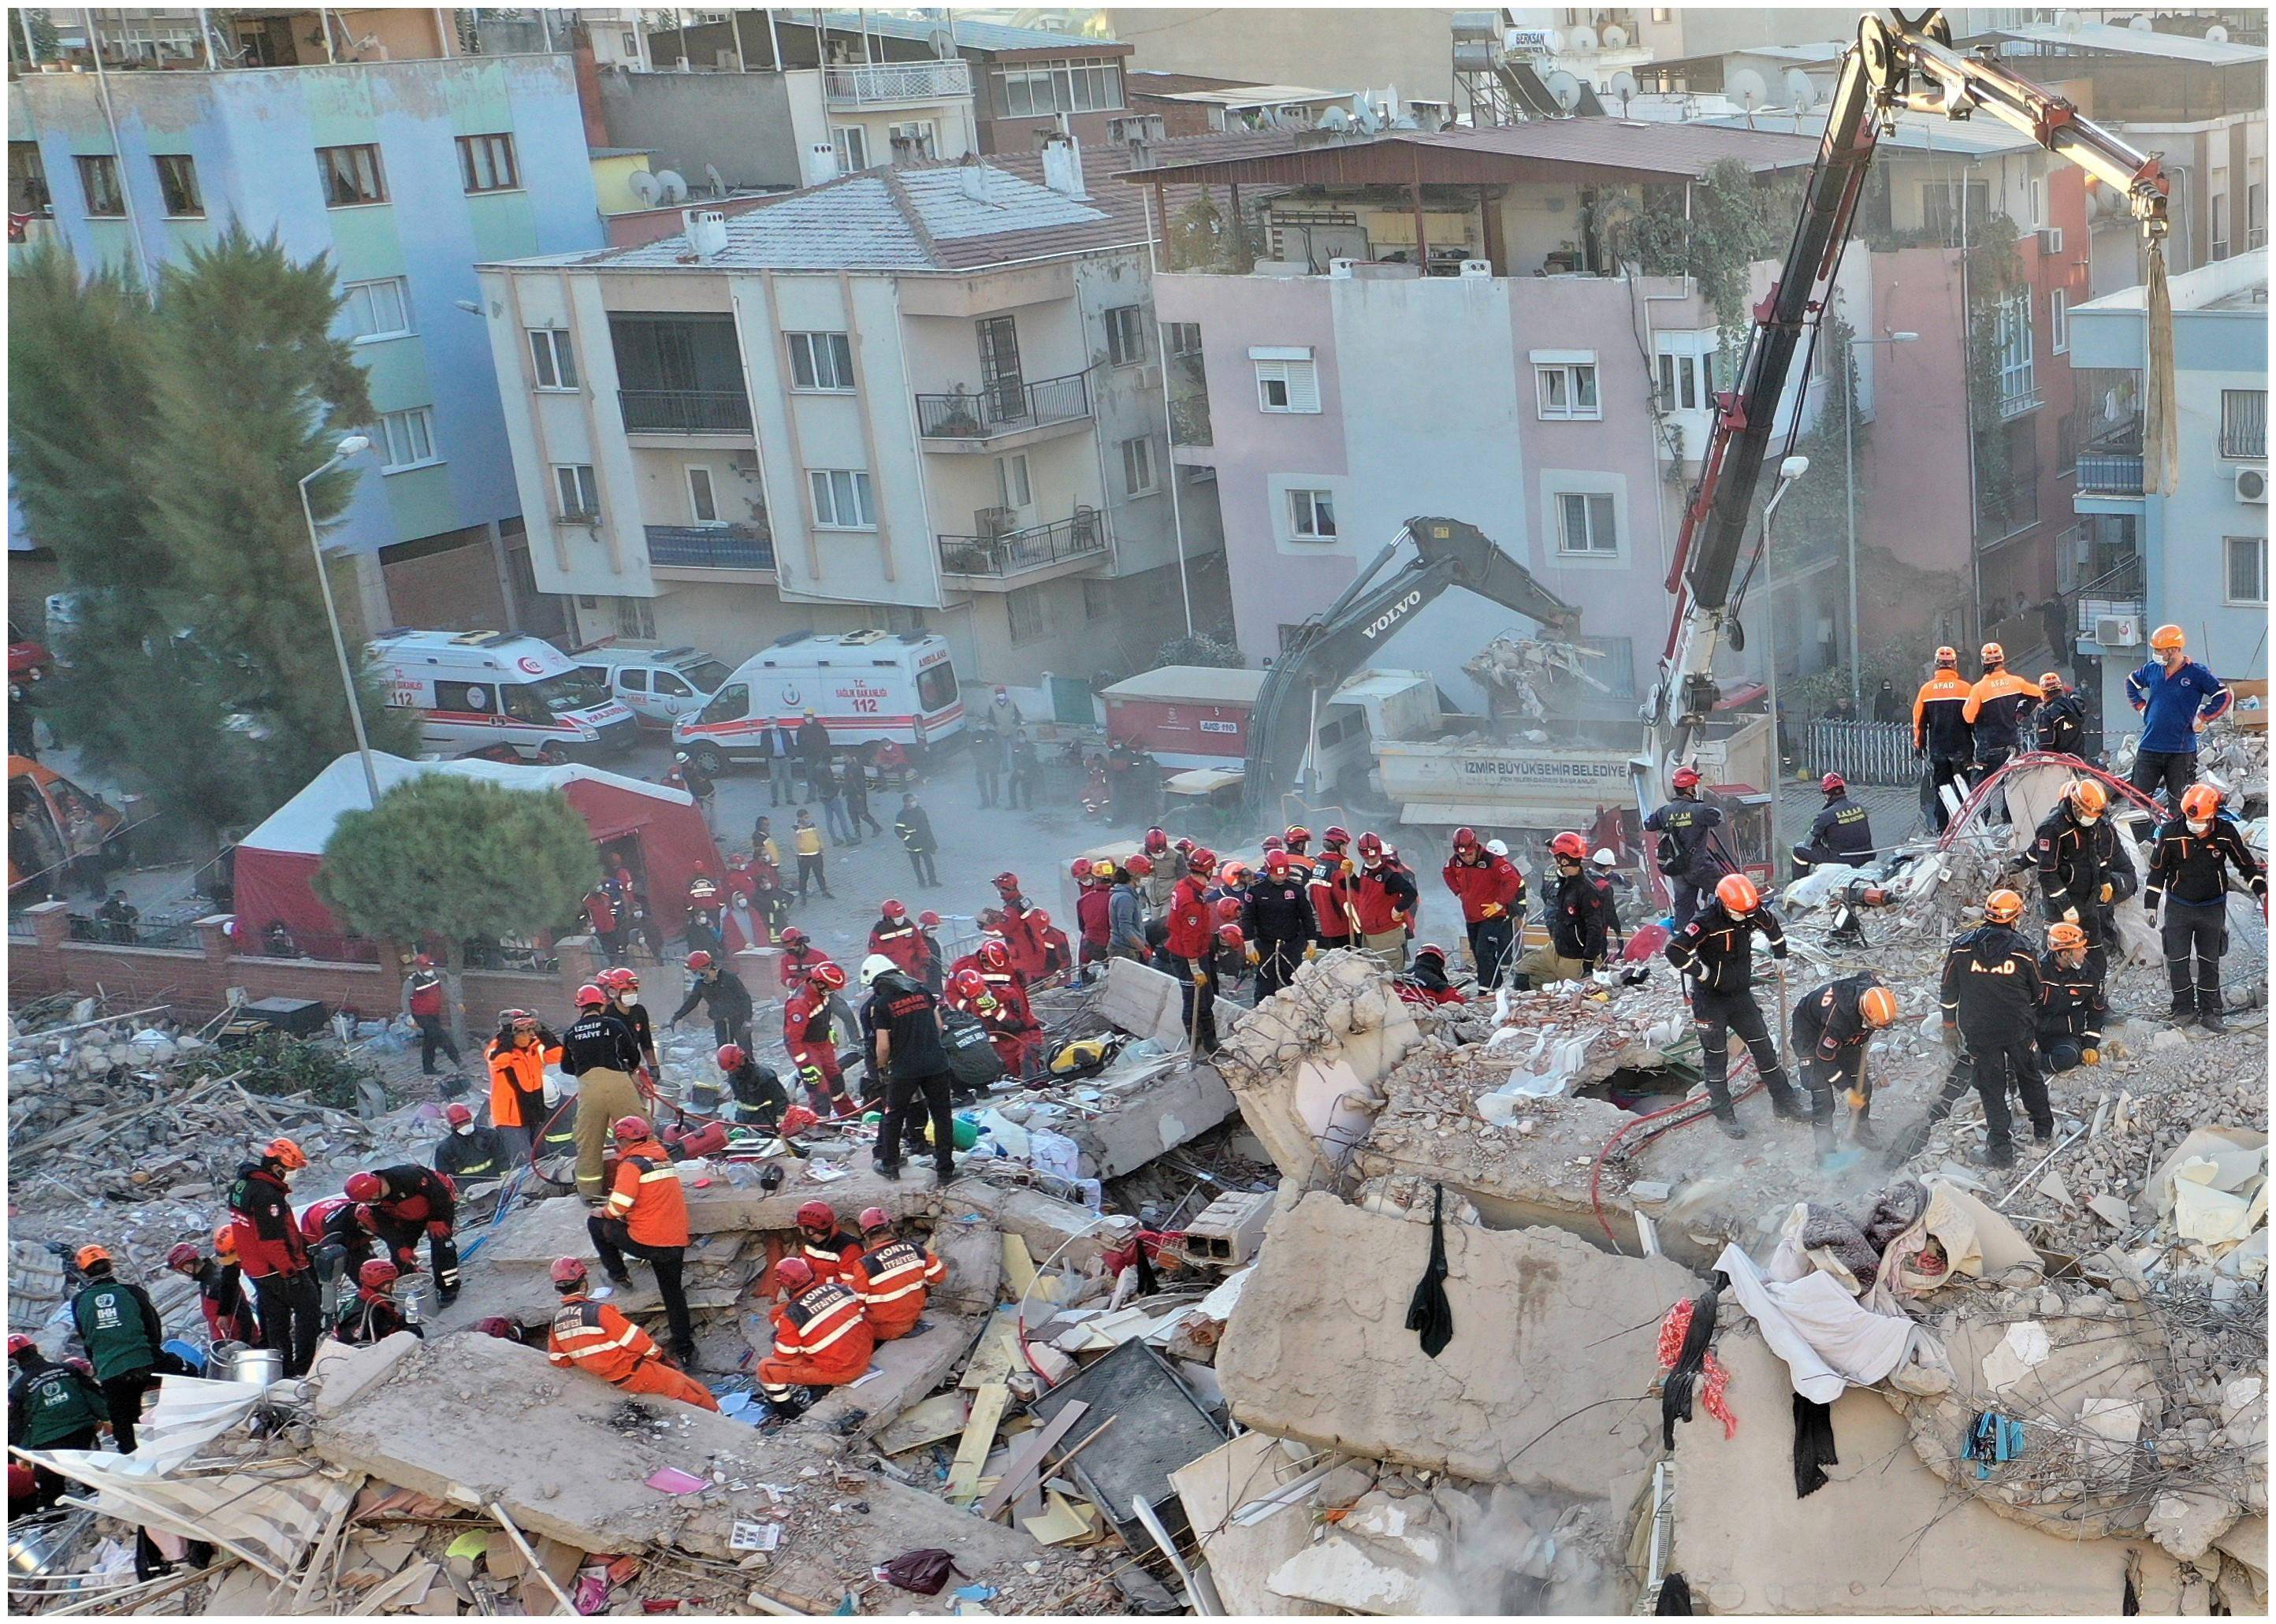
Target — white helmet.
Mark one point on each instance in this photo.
(1604, 858)
(1499, 849)
(875, 966)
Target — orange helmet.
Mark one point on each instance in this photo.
(2089, 800)
(2063, 936)
(1878, 1006)
(2003, 907)
(286, 1154)
(225, 1241)
(1946, 656)
(2050, 682)
(1994, 655)
(90, 1255)
(2200, 800)
(1737, 893)
(2167, 637)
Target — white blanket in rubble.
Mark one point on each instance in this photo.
(1828, 1339)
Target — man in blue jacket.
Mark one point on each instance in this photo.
(2178, 698)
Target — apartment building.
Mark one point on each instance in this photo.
(405, 173)
(2197, 558)
(1404, 49)
(921, 396)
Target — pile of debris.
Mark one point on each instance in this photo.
(1515, 671)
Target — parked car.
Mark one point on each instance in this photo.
(658, 686)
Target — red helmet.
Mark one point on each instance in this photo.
(589, 995)
(568, 1272)
(795, 1273)
(1007, 882)
(1229, 908)
(1737, 893)
(1200, 859)
(1465, 837)
(874, 1218)
(1337, 835)
(1296, 834)
(183, 1254)
(828, 975)
(1157, 841)
(1569, 844)
(1432, 950)
(968, 985)
(364, 1187)
(616, 978)
(1139, 865)
(791, 936)
(893, 908)
(699, 960)
(1834, 783)
(996, 955)
(18, 1343)
(1185, 843)
(929, 920)
(378, 1275)
(1685, 777)
(731, 1056)
(1080, 871)
(629, 1130)
(1231, 936)
(1370, 844)
(425, 962)
(1274, 843)
(818, 1214)
(1278, 863)
(457, 1116)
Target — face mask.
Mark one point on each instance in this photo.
(2198, 825)
(464, 1128)
(2088, 820)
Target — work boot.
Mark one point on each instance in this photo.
(2044, 1136)
(2001, 1155)
(2182, 1013)
(1730, 1127)
(1861, 1130)
(1786, 1108)
(886, 1170)
(2211, 1021)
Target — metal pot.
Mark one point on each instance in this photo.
(414, 1294)
(256, 1367)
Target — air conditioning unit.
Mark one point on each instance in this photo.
(2118, 631)
(1482, 270)
(1340, 268)
(2252, 487)
(2050, 239)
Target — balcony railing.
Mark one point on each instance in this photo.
(685, 411)
(1003, 408)
(2110, 464)
(711, 547)
(1036, 548)
(2244, 423)
(897, 81)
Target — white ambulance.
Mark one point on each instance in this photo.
(895, 686)
(495, 693)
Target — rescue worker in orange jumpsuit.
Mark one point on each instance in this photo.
(1999, 709)
(517, 1058)
(896, 1276)
(594, 1337)
(647, 1216)
(807, 1034)
(827, 1249)
(822, 1338)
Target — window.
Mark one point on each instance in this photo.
(2067, 443)
(1012, 488)
(178, 183)
(1183, 338)
(2244, 423)
(636, 619)
(27, 180)
(2059, 322)
(1023, 607)
(486, 163)
(2018, 385)
(409, 436)
(2256, 215)
(350, 176)
(576, 490)
(852, 144)
(370, 310)
(1125, 335)
(669, 684)
(1311, 515)
(1140, 477)
(918, 138)
(936, 684)
(98, 181)
(821, 360)
(1686, 383)
(730, 703)
(1584, 524)
(2038, 202)
(630, 678)
(2221, 225)
(1955, 212)
(2248, 568)
(471, 698)
(1098, 600)
(841, 499)
(702, 500)
(552, 358)
(1567, 392)
(1287, 386)
(1058, 87)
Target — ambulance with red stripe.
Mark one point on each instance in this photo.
(498, 693)
(893, 686)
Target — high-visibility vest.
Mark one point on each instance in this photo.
(594, 1337)
(649, 1197)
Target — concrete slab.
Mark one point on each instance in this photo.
(1049, 1226)
(1242, 1558)
(1144, 1002)
(1124, 1136)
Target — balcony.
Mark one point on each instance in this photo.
(883, 83)
(2110, 464)
(990, 419)
(710, 547)
(685, 411)
(1000, 561)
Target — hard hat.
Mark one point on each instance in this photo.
(680, 755)
(589, 995)
(1276, 863)
(968, 985)
(1685, 777)
(1603, 857)
(2063, 936)
(1569, 844)
(1102, 869)
(1878, 1006)
(797, 1119)
(1993, 655)
(90, 1255)
(1233, 876)
(619, 978)
(515, 1019)
(699, 960)
(225, 1241)
(874, 1219)
(1499, 849)
(1947, 655)
(1432, 950)
(184, 1254)
(1157, 841)
(2050, 682)
(795, 1273)
(2087, 797)
(818, 1214)
(364, 1187)
(995, 956)
(377, 1275)
(1183, 843)
(1139, 864)
(2200, 800)
(791, 936)
(1276, 843)
(2167, 637)
(286, 1154)
(1833, 784)
(1228, 907)
(1295, 832)
(731, 1056)
(1007, 882)
(568, 1272)
(1337, 835)
(1078, 870)
(894, 909)
(2003, 907)
(929, 920)
(18, 1343)
(1369, 844)
(425, 962)
(875, 966)
(827, 975)
(1200, 859)
(457, 1116)
(1737, 893)
(1465, 835)
(629, 1130)
(1231, 936)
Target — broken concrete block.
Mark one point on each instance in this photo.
(2185, 1523)
(1341, 1574)
(1243, 1554)
(2112, 1210)
(2022, 1351)
(340, 1373)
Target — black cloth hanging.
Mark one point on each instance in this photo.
(1674, 1596)
(1813, 1445)
(1690, 1361)
(1430, 1313)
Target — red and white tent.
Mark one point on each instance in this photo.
(277, 862)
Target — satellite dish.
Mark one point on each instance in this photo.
(1622, 85)
(1614, 37)
(943, 44)
(2142, 24)
(2066, 21)
(1405, 122)
(718, 182)
(1564, 89)
(645, 188)
(2218, 35)
(673, 184)
(1369, 123)
(1746, 88)
(1581, 40)
(1335, 119)
(1801, 89)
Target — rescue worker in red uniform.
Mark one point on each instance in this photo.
(1014, 1037)
(807, 1034)
(594, 1337)
(827, 1248)
(991, 961)
(340, 1244)
(275, 1255)
(1383, 899)
(373, 1315)
(822, 1338)
(647, 1216)
(932, 964)
(1094, 888)
(896, 936)
(1425, 981)
(1057, 952)
(896, 1276)
(1018, 926)
(221, 1287)
(423, 1001)
(402, 1202)
(1492, 891)
(1191, 946)
(800, 956)
(1331, 890)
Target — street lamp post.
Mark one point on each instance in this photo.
(354, 445)
(1849, 480)
(1790, 470)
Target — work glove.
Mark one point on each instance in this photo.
(2107, 892)
(438, 1229)
(2070, 914)
(1952, 1037)
(1312, 949)
(1492, 910)
(2092, 1056)
(1255, 957)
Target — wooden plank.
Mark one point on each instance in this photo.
(940, 1417)
(1027, 1458)
(1018, 1267)
(979, 1436)
(1061, 1525)
(993, 1359)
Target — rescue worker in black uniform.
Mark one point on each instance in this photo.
(468, 1150)
(723, 996)
(1576, 908)
(1990, 998)
(2072, 1003)
(373, 1315)
(1715, 951)
(1832, 1027)
(1686, 825)
(1842, 832)
(760, 1098)
(2083, 868)
(403, 1202)
(2187, 873)
(622, 984)
(2060, 717)
(1275, 917)
(1941, 732)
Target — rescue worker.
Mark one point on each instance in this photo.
(521, 1096)
(403, 1202)
(1493, 894)
(50, 1406)
(1018, 926)
(1991, 996)
(1578, 913)
(1686, 854)
(704, 897)
(593, 1337)
(895, 936)
(647, 1216)
(1715, 952)
(913, 826)
(275, 1254)
(1126, 912)
(1425, 981)
(622, 984)
(1941, 732)
(221, 1287)
(466, 1150)
(2187, 865)
(1296, 840)
(1842, 832)
(1999, 708)
(423, 1001)
(2084, 869)
(2178, 699)
(1833, 1027)
(1191, 946)
(932, 964)
(2072, 1003)
(808, 1033)
(824, 1246)
(1276, 918)
(758, 1096)
(120, 1330)
(906, 1050)
(1055, 953)
(1330, 889)
(1093, 906)
(1164, 868)
(339, 1243)
(896, 1276)
(822, 1338)
(373, 1315)
(1383, 899)
(1012, 1037)
(991, 961)
(723, 996)
(2060, 717)
(800, 955)
(599, 1053)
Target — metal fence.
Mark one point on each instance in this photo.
(1864, 752)
(182, 935)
